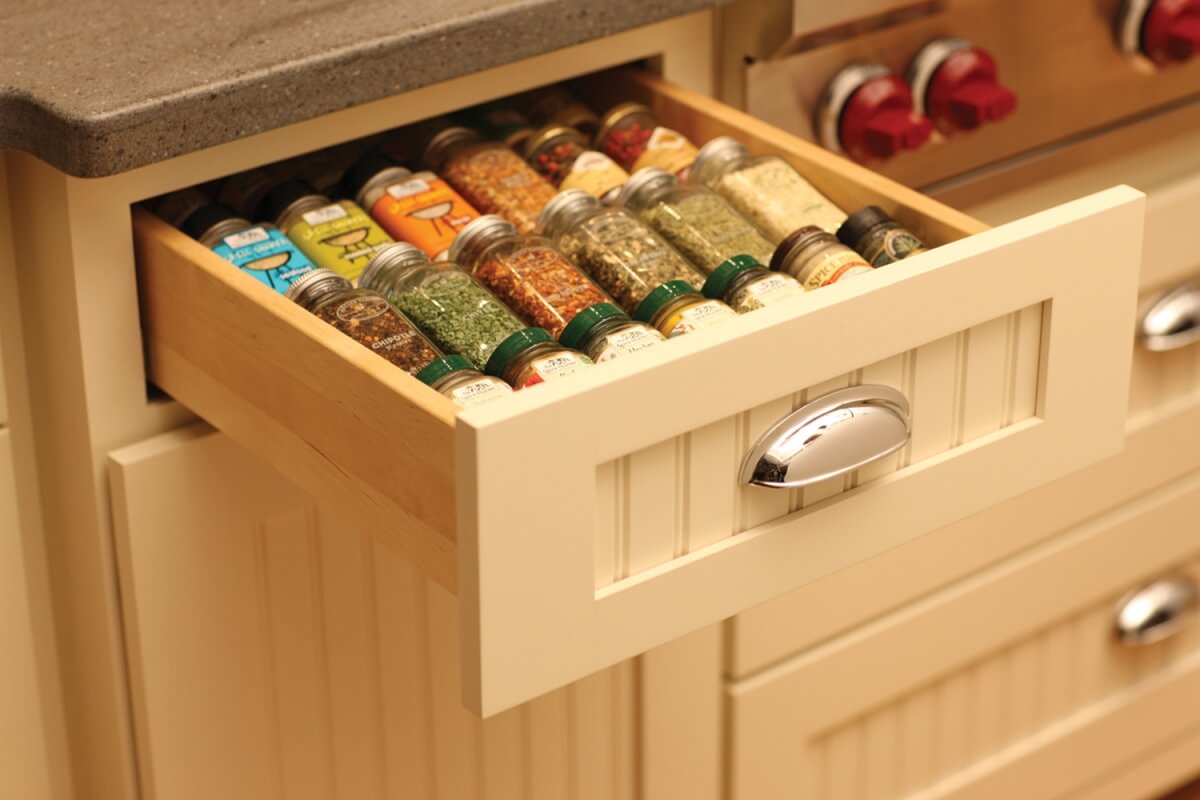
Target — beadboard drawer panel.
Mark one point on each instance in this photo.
(1008, 683)
(587, 521)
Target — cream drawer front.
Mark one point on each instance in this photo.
(1010, 684)
(585, 522)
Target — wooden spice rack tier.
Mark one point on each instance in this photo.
(510, 504)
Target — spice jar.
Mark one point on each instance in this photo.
(450, 306)
(631, 136)
(816, 258)
(878, 237)
(261, 251)
(676, 308)
(605, 332)
(527, 272)
(365, 316)
(454, 377)
(766, 189)
(489, 175)
(612, 245)
(421, 208)
(244, 191)
(554, 105)
(746, 285)
(531, 356)
(338, 236)
(694, 219)
(561, 156)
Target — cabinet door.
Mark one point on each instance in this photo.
(275, 651)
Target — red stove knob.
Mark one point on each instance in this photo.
(867, 113)
(956, 84)
(1165, 31)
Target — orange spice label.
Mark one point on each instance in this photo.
(423, 210)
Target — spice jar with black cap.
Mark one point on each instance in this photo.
(261, 251)
(746, 285)
(879, 238)
(816, 258)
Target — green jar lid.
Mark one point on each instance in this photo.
(724, 274)
(514, 344)
(439, 368)
(578, 328)
(660, 297)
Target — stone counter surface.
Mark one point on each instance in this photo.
(96, 88)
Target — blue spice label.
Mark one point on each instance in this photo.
(267, 255)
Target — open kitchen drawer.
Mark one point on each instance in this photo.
(588, 520)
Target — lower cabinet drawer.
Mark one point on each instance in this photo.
(587, 521)
(1013, 683)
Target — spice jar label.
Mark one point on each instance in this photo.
(423, 211)
(594, 173)
(553, 367)
(835, 267)
(668, 150)
(774, 288)
(477, 392)
(342, 241)
(699, 316)
(368, 319)
(627, 341)
(266, 255)
(896, 245)
(319, 215)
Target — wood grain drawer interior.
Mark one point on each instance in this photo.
(590, 520)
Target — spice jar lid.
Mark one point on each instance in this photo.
(199, 221)
(614, 116)
(362, 171)
(439, 368)
(478, 231)
(794, 242)
(315, 284)
(581, 325)
(387, 255)
(557, 213)
(513, 345)
(445, 140)
(282, 197)
(644, 179)
(660, 297)
(548, 134)
(711, 160)
(718, 282)
(860, 223)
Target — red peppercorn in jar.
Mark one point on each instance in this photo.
(527, 272)
(561, 156)
(631, 136)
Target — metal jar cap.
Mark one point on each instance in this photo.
(439, 368)
(613, 117)
(276, 202)
(512, 346)
(445, 140)
(718, 282)
(578, 328)
(388, 255)
(364, 171)
(477, 231)
(549, 133)
(560, 208)
(711, 159)
(860, 223)
(796, 241)
(200, 221)
(315, 284)
(660, 297)
(643, 179)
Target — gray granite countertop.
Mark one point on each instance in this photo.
(97, 87)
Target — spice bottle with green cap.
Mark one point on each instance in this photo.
(746, 285)
(816, 258)
(531, 356)
(450, 306)
(696, 220)
(675, 308)
(615, 247)
(561, 156)
(879, 238)
(630, 134)
(766, 189)
(489, 175)
(605, 332)
(261, 251)
(527, 272)
(418, 208)
(334, 235)
(365, 316)
(457, 378)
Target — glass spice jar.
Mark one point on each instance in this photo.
(766, 189)
(746, 285)
(334, 235)
(527, 272)
(261, 251)
(450, 306)
(675, 308)
(561, 156)
(554, 105)
(366, 317)
(605, 332)
(696, 220)
(612, 245)
(816, 258)
(421, 208)
(631, 136)
(531, 356)
(455, 378)
(878, 237)
(489, 175)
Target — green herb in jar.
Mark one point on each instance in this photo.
(746, 285)
(694, 219)
(619, 251)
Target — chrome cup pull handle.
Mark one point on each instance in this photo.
(829, 436)
(1173, 320)
(1155, 611)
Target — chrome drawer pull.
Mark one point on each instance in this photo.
(830, 436)
(1154, 612)
(1173, 320)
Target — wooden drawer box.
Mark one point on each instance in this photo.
(585, 522)
(1009, 684)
